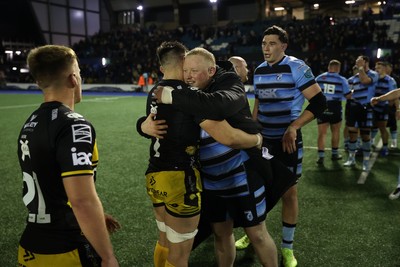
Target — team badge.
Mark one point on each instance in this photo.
(279, 77)
(249, 215)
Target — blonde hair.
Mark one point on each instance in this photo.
(207, 55)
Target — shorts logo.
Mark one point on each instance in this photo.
(81, 158)
(28, 256)
(81, 133)
(249, 215)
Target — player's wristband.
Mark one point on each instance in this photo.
(166, 96)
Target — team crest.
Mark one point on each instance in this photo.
(249, 215)
(308, 74)
(279, 77)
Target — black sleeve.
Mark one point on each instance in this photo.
(226, 98)
(139, 128)
(142, 119)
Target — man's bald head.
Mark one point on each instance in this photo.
(240, 66)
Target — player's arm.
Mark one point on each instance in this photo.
(148, 127)
(224, 103)
(89, 213)
(316, 106)
(225, 134)
(255, 109)
(395, 94)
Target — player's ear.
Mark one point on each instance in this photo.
(72, 80)
(212, 70)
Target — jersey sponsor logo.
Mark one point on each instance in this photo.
(269, 93)
(30, 124)
(81, 133)
(279, 77)
(54, 114)
(157, 193)
(80, 158)
(24, 149)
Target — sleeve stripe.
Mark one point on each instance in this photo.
(74, 173)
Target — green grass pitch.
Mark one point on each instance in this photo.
(341, 223)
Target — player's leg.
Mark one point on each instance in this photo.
(385, 137)
(161, 249)
(224, 243)
(322, 131)
(180, 234)
(335, 140)
(263, 244)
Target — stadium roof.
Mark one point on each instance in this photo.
(129, 4)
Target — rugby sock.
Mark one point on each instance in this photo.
(168, 264)
(335, 151)
(366, 148)
(321, 153)
(352, 149)
(374, 132)
(346, 142)
(393, 135)
(358, 142)
(160, 255)
(288, 235)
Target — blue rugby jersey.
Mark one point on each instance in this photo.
(278, 89)
(222, 167)
(362, 93)
(384, 85)
(334, 86)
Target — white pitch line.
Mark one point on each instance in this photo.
(374, 155)
(20, 106)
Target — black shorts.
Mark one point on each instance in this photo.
(246, 211)
(292, 161)
(392, 122)
(333, 114)
(359, 116)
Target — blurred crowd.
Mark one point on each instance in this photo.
(127, 55)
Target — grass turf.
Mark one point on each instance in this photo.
(341, 223)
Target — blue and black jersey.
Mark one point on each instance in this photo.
(278, 89)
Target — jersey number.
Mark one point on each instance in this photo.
(34, 193)
(329, 88)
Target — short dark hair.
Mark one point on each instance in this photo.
(170, 51)
(276, 30)
(366, 59)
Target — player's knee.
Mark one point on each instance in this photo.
(175, 237)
